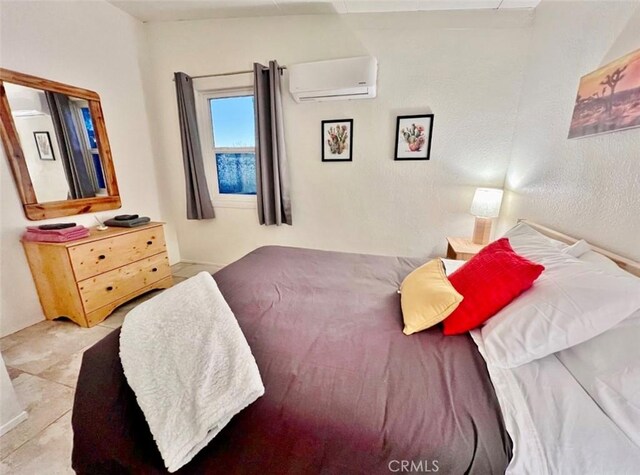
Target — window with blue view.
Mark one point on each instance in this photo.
(91, 136)
(88, 124)
(232, 119)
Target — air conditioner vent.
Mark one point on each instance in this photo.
(333, 80)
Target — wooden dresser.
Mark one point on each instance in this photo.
(85, 280)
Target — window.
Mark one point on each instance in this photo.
(234, 144)
(87, 136)
(227, 119)
(93, 145)
(227, 134)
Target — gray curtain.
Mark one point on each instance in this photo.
(272, 176)
(74, 155)
(198, 199)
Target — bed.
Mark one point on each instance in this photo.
(345, 390)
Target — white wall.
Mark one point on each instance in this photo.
(47, 176)
(91, 45)
(11, 410)
(589, 187)
(464, 66)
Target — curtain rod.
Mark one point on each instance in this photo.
(232, 73)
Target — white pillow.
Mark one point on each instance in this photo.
(526, 234)
(450, 265)
(571, 302)
(582, 250)
(606, 264)
(603, 262)
(578, 248)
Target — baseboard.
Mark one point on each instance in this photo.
(202, 263)
(13, 422)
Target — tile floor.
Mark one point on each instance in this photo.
(43, 361)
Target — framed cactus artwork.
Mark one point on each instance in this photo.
(337, 140)
(413, 137)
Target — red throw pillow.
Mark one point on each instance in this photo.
(488, 282)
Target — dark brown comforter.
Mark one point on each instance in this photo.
(345, 390)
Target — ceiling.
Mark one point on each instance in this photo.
(173, 10)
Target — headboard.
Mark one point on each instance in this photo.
(633, 267)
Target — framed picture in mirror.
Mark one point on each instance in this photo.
(43, 144)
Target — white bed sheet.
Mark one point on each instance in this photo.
(575, 411)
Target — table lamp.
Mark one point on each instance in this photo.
(485, 207)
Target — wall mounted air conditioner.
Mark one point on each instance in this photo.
(333, 80)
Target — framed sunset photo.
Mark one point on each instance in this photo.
(608, 99)
(337, 140)
(413, 137)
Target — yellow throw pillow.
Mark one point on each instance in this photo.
(427, 297)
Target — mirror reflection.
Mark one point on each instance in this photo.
(59, 143)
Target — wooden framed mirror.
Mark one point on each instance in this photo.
(55, 139)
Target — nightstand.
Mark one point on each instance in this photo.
(462, 249)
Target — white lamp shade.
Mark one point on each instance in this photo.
(486, 202)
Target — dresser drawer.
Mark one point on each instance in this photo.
(100, 290)
(104, 255)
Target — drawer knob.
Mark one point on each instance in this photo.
(102, 256)
(155, 269)
(109, 289)
(149, 243)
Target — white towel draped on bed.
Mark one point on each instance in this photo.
(191, 369)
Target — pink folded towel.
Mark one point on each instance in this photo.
(57, 232)
(44, 237)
